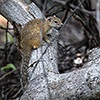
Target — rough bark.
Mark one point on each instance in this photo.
(81, 84)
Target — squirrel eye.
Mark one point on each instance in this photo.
(55, 21)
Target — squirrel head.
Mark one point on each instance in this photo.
(54, 22)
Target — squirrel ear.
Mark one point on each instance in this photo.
(54, 16)
(49, 19)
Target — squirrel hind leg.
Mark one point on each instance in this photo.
(35, 44)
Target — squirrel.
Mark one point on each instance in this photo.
(30, 37)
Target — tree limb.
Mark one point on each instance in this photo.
(79, 84)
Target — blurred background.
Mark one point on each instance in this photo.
(80, 34)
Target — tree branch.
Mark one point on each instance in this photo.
(82, 83)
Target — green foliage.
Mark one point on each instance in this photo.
(11, 38)
(8, 66)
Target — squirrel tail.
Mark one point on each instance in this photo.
(24, 67)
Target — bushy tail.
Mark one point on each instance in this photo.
(24, 67)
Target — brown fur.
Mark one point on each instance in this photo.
(30, 37)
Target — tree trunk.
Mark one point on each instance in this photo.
(81, 84)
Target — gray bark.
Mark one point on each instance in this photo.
(80, 84)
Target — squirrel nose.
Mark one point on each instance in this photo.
(61, 24)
